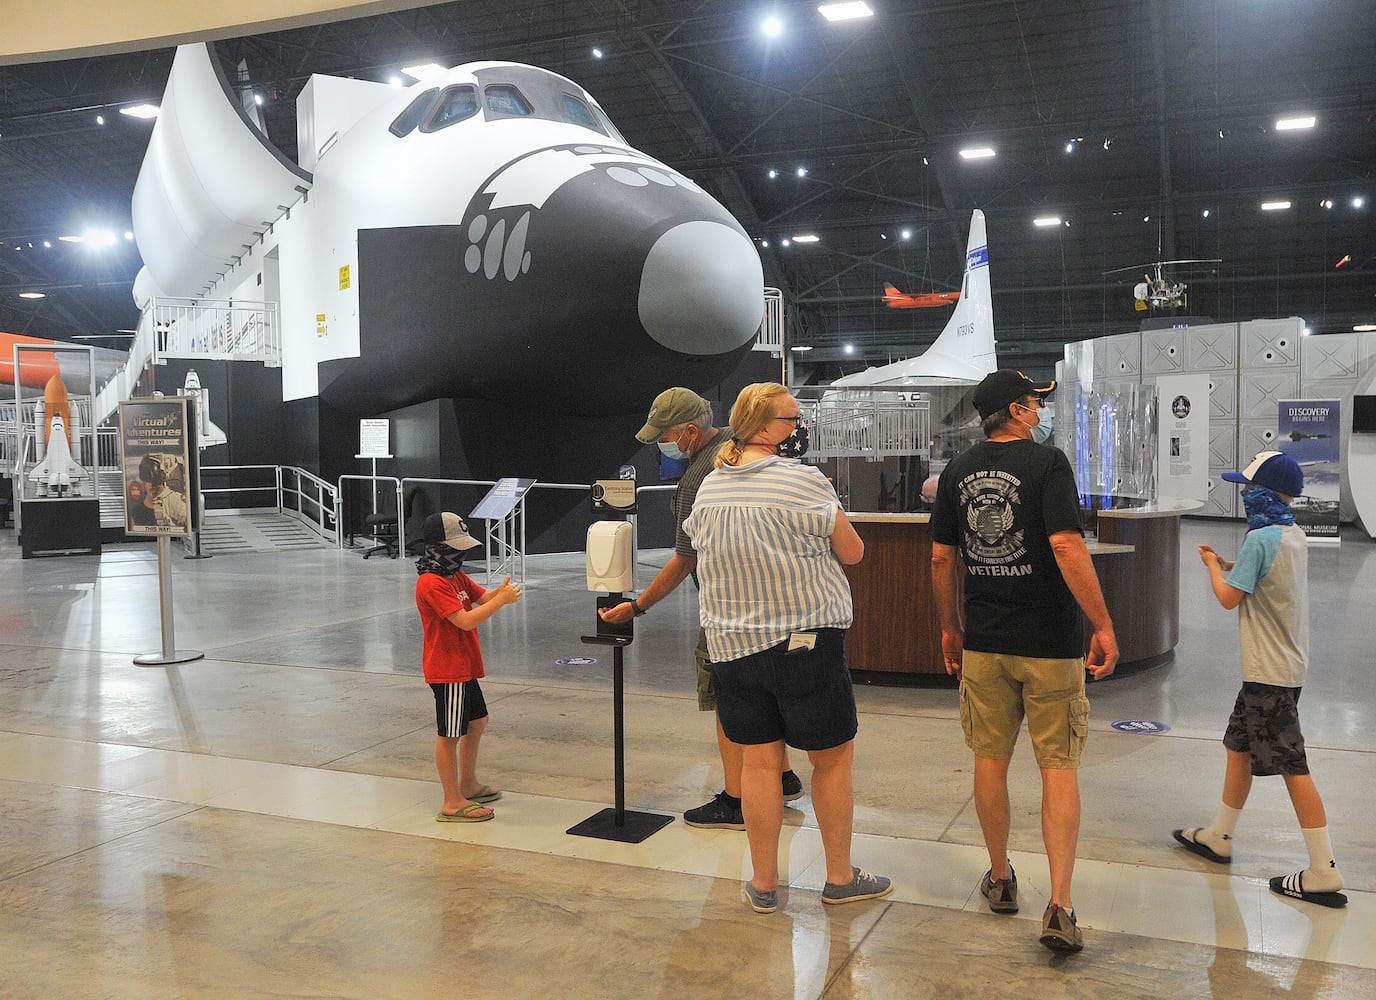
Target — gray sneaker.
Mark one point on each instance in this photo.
(722, 813)
(1001, 893)
(762, 902)
(1059, 930)
(862, 886)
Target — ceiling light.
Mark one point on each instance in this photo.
(805, 238)
(423, 71)
(773, 173)
(907, 234)
(144, 111)
(394, 80)
(72, 239)
(47, 244)
(1274, 206)
(1108, 143)
(1287, 124)
(100, 119)
(98, 238)
(802, 171)
(1358, 202)
(801, 347)
(924, 161)
(976, 153)
(1326, 203)
(765, 244)
(1146, 218)
(850, 348)
(1205, 213)
(1307, 331)
(128, 235)
(783, 243)
(597, 53)
(845, 11)
(32, 295)
(1364, 328)
(1070, 147)
(1047, 220)
(772, 27)
(258, 99)
(883, 236)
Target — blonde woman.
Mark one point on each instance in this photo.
(771, 539)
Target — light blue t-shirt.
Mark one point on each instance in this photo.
(1272, 569)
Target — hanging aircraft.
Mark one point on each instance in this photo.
(1159, 293)
(895, 299)
(964, 352)
(486, 233)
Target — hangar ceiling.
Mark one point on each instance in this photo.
(1147, 127)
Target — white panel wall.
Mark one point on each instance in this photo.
(1118, 358)
(1270, 343)
(1163, 352)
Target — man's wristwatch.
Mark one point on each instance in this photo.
(636, 609)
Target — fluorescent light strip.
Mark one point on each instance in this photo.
(423, 71)
(805, 238)
(144, 111)
(845, 11)
(976, 153)
(1047, 220)
(1287, 124)
(1274, 206)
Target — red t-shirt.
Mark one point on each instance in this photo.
(451, 653)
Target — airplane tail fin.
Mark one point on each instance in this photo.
(969, 334)
(890, 291)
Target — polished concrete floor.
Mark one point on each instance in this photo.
(260, 822)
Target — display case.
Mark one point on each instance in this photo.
(1108, 430)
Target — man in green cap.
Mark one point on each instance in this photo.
(680, 422)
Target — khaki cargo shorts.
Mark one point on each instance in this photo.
(998, 690)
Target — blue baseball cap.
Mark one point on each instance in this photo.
(1275, 470)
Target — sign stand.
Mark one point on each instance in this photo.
(170, 653)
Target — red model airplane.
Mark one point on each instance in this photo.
(895, 299)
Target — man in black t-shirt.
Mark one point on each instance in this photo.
(1007, 512)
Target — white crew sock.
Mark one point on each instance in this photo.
(1322, 875)
(1218, 835)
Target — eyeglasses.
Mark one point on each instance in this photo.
(795, 421)
(1039, 405)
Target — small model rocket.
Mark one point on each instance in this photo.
(57, 472)
(207, 434)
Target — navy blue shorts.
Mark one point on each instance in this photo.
(803, 698)
(456, 705)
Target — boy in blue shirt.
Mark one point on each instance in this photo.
(1268, 582)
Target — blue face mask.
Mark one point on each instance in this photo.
(670, 449)
(795, 445)
(1264, 507)
(1042, 432)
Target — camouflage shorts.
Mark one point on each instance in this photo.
(707, 697)
(1265, 725)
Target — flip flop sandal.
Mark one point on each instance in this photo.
(1293, 886)
(1185, 838)
(485, 795)
(468, 814)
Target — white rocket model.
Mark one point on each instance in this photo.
(208, 435)
(57, 473)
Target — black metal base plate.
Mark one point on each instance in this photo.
(638, 826)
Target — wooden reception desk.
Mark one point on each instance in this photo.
(896, 630)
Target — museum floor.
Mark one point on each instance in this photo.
(260, 822)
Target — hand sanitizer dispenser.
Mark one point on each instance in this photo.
(611, 568)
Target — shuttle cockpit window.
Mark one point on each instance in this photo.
(578, 113)
(455, 104)
(414, 114)
(505, 101)
(607, 125)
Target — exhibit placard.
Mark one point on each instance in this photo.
(158, 459)
(502, 499)
(1310, 432)
(1182, 443)
(374, 439)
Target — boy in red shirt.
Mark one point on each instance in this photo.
(451, 607)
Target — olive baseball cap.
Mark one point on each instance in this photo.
(670, 408)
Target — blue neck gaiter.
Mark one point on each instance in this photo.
(1264, 507)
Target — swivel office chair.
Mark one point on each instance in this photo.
(383, 527)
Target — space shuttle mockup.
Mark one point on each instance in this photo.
(964, 352)
(57, 473)
(208, 435)
(487, 233)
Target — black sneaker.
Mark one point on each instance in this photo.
(722, 813)
(1059, 930)
(1001, 893)
(793, 787)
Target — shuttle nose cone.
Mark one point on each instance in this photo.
(700, 289)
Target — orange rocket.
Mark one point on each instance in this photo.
(39, 366)
(55, 404)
